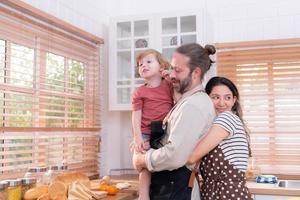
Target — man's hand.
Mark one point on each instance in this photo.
(139, 161)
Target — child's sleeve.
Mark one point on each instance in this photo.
(137, 102)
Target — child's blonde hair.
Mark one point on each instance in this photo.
(164, 64)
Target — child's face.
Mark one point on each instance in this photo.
(149, 67)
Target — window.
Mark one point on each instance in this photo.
(49, 93)
(17, 85)
(267, 74)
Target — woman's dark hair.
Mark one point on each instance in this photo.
(199, 56)
(236, 108)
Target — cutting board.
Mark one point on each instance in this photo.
(132, 190)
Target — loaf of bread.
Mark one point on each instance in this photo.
(57, 189)
(36, 192)
(60, 197)
(69, 178)
(45, 197)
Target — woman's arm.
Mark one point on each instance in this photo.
(214, 137)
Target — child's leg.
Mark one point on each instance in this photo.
(144, 175)
(144, 184)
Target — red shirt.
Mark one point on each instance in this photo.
(155, 103)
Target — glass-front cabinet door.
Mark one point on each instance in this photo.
(176, 31)
(128, 38)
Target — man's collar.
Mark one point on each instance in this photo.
(190, 92)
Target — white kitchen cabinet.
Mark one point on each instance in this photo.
(132, 34)
(128, 37)
(274, 197)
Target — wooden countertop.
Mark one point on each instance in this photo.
(271, 189)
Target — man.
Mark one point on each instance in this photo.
(186, 123)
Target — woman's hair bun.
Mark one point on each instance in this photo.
(210, 49)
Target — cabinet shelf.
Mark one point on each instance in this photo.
(123, 50)
(122, 39)
(174, 34)
(124, 86)
(140, 49)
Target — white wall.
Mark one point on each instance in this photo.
(88, 15)
(133, 7)
(232, 20)
(228, 21)
(246, 20)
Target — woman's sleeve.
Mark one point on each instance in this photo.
(226, 120)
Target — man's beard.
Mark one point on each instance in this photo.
(183, 85)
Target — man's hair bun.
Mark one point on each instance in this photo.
(211, 50)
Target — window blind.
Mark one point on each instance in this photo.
(49, 92)
(78, 150)
(267, 74)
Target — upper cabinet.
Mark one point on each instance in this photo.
(133, 34)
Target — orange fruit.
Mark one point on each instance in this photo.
(103, 187)
(112, 190)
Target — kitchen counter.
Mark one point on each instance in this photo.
(121, 196)
(255, 188)
(271, 189)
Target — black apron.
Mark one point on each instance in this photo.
(171, 185)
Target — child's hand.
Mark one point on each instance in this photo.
(139, 145)
(165, 74)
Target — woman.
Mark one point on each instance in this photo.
(224, 150)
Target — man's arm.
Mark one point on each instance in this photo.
(186, 127)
